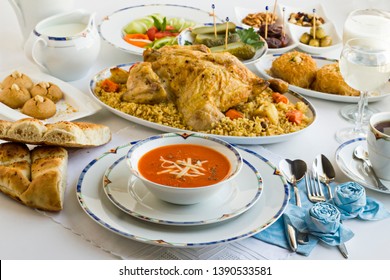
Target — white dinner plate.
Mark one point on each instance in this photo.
(130, 195)
(111, 26)
(293, 97)
(270, 206)
(242, 12)
(74, 105)
(265, 63)
(354, 168)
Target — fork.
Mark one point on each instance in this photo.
(313, 188)
(315, 194)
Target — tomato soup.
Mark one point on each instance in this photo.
(184, 165)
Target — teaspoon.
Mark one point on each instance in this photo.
(361, 154)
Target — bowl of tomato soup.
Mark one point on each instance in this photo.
(184, 168)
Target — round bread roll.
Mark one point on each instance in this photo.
(329, 79)
(14, 96)
(295, 68)
(18, 78)
(39, 107)
(47, 89)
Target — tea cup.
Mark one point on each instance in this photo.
(378, 143)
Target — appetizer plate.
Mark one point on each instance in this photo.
(292, 96)
(74, 105)
(241, 13)
(131, 196)
(111, 26)
(354, 168)
(186, 36)
(269, 207)
(264, 65)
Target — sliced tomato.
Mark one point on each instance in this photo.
(162, 34)
(151, 33)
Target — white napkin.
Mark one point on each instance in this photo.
(73, 218)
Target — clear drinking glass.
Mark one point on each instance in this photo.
(365, 66)
(365, 23)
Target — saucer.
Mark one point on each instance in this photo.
(129, 194)
(354, 168)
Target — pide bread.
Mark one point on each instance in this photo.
(63, 133)
(36, 178)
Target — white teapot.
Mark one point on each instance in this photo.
(30, 12)
(65, 45)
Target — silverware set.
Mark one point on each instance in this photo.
(321, 173)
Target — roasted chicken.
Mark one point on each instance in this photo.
(203, 85)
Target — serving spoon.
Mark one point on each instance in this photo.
(361, 154)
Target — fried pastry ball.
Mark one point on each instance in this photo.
(18, 78)
(14, 96)
(329, 79)
(296, 68)
(47, 89)
(39, 107)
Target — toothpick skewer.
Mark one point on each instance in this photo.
(266, 22)
(215, 25)
(226, 33)
(314, 23)
(274, 12)
(283, 30)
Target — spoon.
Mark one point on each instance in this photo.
(325, 170)
(294, 171)
(361, 154)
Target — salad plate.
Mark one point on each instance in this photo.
(242, 12)
(74, 104)
(264, 65)
(268, 208)
(111, 26)
(131, 196)
(242, 140)
(354, 168)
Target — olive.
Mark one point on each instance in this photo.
(320, 32)
(326, 41)
(305, 38)
(314, 43)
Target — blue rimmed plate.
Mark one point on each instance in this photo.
(269, 207)
(131, 196)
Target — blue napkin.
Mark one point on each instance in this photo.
(352, 202)
(326, 228)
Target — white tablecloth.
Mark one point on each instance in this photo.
(71, 234)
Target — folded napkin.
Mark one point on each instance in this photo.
(352, 202)
(322, 220)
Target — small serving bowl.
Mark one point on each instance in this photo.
(183, 195)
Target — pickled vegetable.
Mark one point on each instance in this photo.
(326, 41)
(314, 43)
(210, 41)
(220, 28)
(239, 49)
(320, 32)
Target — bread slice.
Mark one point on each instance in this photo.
(63, 133)
(44, 188)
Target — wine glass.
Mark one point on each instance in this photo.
(365, 66)
(365, 23)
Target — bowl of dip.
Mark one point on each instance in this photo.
(184, 168)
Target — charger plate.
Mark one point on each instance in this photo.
(130, 195)
(270, 206)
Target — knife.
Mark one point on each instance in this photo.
(329, 172)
